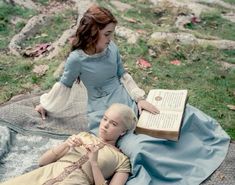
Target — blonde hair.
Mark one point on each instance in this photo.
(127, 115)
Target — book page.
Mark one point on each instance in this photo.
(168, 99)
(166, 120)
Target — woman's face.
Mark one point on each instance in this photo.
(111, 126)
(105, 36)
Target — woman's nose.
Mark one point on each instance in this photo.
(106, 124)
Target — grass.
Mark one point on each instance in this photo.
(43, 2)
(7, 29)
(229, 1)
(212, 24)
(211, 87)
(53, 30)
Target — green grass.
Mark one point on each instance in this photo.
(229, 1)
(13, 77)
(210, 87)
(8, 30)
(228, 56)
(16, 76)
(43, 2)
(212, 24)
(52, 31)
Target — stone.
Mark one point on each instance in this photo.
(121, 6)
(131, 36)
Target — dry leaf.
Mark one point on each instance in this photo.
(195, 20)
(141, 31)
(37, 50)
(143, 64)
(176, 62)
(131, 20)
(40, 69)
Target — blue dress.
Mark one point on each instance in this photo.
(203, 143)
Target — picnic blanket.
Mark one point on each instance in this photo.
(25, 137)
(19, 115)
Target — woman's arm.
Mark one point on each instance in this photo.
(60, 150)
(93, 156)
(54, 154)
(97, 174)
(137, 94)
(56, 99)
(132, 88)
(119, 178)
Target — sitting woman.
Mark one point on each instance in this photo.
(85, 158)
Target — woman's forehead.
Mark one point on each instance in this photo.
(113, 115)
(108, 28)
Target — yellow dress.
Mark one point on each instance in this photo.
(74, 168)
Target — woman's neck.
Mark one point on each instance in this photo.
(92, 51)
(110, 142)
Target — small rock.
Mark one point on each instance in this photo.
(121, 6)
(130, 35)
(40, 70)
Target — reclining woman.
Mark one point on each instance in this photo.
(85, 158)
(96, 61)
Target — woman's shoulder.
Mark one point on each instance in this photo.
(75, 55)
(113, 46)
(74, 58)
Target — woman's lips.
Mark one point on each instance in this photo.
(103, 130)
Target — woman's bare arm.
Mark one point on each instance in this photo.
(59, 151)
(119, 178)
(54, 154)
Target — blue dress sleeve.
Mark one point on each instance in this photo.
(71, 70)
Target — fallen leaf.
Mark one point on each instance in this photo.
(231, 107)
(40, 69)
(176, 62)
(195, 20)
(143, 64)
(131, 20)
(141, 31)
(37, 50)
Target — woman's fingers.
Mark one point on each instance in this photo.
(152, 109)
(74, 141)
(41, 110)
(144, 105)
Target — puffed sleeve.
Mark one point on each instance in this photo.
(124, 165)
(58, 96)
(56, 99)
(132, 88)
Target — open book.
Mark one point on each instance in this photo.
(167, 124)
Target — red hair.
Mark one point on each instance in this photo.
(94, 19)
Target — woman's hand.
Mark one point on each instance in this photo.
(74, 141)
(41, 111)
(144, 105)
(92, 153)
